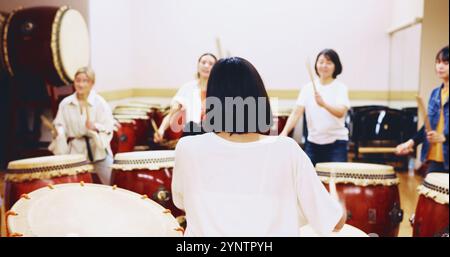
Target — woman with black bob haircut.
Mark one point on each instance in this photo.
(237, 101)
(235, 181)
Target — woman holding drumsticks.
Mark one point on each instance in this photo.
(325, 102)
(190, 98)
(84, 125)
(435, 137)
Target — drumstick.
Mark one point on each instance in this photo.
(49, 124)
(422, 110)
(219, 48)
(308, 67)
(155, 127)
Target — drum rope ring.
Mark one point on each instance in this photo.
(54, 44)
(436, 188)
(358, 176)
(145, 161)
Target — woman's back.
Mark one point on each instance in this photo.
(260, 188)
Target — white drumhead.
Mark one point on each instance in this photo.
(136, 106)
(139, 116)
(435, 186)
(148, 103)
(346, 231)
(90, 210)
(152, 160)
(438, 179)
(74, 46)
(46, 161)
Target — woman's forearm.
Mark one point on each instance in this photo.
(337, 111)
(293, 120)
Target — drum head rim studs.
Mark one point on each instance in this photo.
(16, 235)
(114, 187)
(82, 183)
(25, 196)
(7, 214)
(144, 197)
(167, 211)
(50, 186)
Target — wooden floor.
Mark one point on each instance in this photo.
(408, 198)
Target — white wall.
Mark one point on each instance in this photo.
(112, 45)
(155, 43)
(434, 37)
(159, 45)
(404, 11)
(405, 59)
(404, 66)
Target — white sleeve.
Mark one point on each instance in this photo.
(317, 206)
(59, 144)
(180, 97)
(301, 100)
(179, 169)
(343, 98)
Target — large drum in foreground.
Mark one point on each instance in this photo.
(27, 175)
(89, 210)
(431, 216)
(369, 192)
(346, 231)
(51, 42)
(149, 173)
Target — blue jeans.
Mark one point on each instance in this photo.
(436, 167)
(334, 152)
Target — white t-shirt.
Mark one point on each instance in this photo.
(263, 188)
(190, 98)
(324, 127)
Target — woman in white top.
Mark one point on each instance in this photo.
(243, 183)
(190, 99)
(84, 125)
(326, 107)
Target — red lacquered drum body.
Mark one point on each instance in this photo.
(431, 215)
(280, 117)
(147, 173)
(141, 119)
(27, 175)
(279, 122)
(175, 130)
(52, 42)
(369, 192)
(124, 138)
